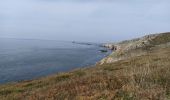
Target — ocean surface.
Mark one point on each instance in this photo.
(30, 59)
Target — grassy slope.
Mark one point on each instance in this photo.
(136, 47)
(137, 78)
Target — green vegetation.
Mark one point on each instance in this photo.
(161, 39)
(142, 77)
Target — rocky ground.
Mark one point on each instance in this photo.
(135, 47)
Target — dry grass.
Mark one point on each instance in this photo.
(145, 77)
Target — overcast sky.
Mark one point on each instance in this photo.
(83, 20)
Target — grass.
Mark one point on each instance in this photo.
(145, 77)
(161, 39)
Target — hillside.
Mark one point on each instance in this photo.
(138, 69)
(135, 47)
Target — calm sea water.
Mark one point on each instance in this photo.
(30, 59)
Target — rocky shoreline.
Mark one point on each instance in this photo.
(122, 49)
(137, 69)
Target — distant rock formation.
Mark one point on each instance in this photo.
(110, 46)
(82, 43)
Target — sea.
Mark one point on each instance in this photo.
(27, 59)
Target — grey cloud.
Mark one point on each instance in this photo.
(86, 20)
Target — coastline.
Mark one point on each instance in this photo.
(141, 73)
(88, 62)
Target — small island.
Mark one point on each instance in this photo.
(103, 51)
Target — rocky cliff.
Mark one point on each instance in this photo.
(135, 47)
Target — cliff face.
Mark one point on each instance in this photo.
(135, 47)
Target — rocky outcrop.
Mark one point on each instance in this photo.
(111, 46)
(134, 47)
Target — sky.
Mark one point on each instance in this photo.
(83, 20)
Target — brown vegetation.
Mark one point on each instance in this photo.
(144, 77)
